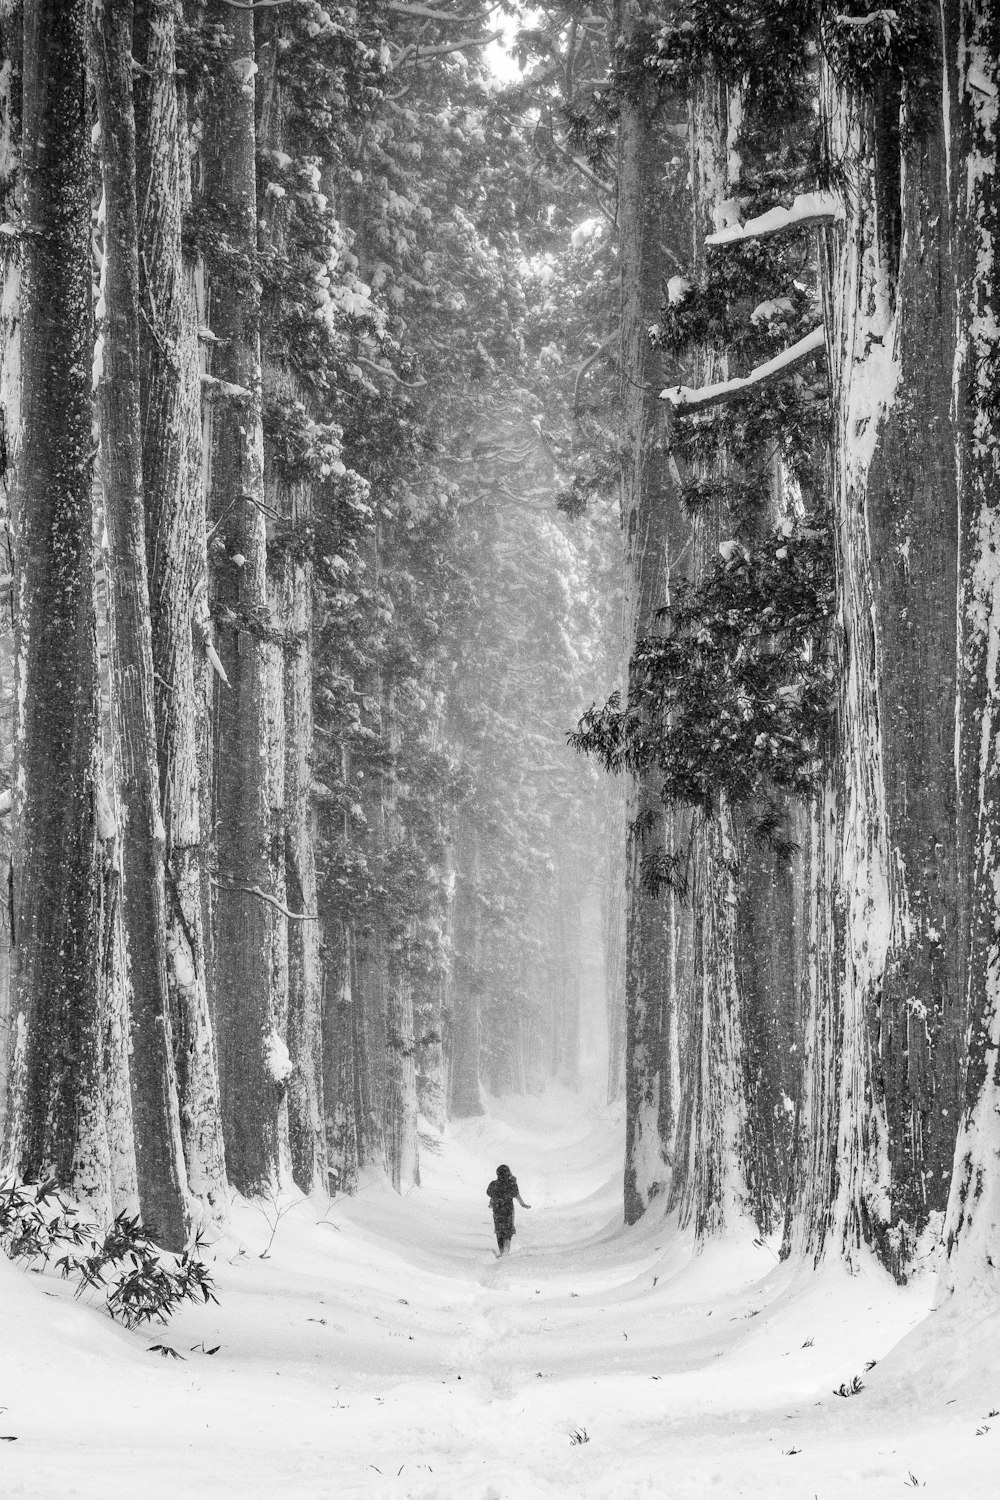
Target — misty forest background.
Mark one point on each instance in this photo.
(370, 426)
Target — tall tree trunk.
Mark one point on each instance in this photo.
(11, 34)
(253, 1060)
(58, 1124)
(613, 930)
(169, 366)
(465, 1095)
(889, 1041)
(649, 512)
(973, 1216)
(290, 576)
(156, 1124)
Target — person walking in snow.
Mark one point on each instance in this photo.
(502, 1193)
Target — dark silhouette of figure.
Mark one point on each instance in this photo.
(502, 1193)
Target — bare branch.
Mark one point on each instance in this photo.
(255, 890)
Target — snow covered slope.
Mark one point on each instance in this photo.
(382, 1350)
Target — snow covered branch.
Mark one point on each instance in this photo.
(809, 211)
(684, 398)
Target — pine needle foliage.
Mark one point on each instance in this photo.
(735, 698)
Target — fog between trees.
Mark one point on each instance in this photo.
(369, 423)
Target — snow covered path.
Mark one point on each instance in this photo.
(384, 1351)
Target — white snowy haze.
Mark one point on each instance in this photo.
(376, 1347)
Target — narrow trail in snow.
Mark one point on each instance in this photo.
(380, 1349)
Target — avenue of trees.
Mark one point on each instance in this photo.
(365, 421)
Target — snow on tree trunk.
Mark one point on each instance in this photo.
(252, 1072)
(727, 1165)
(973, 1215)
(156, 1123)
(59, 1124)
(170, 369)
(898, 1014)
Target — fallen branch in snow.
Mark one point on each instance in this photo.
(684, 398)
(255, 890)
(809, 211)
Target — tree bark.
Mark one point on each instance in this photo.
(650, 515)
(465, 1095)
(973, 1216)
(156, 1123)
(253, 1063)
(58, 1123)
(169, 368)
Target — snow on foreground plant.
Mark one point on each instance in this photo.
(140, 1281)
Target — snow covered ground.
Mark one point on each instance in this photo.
(382, 1350)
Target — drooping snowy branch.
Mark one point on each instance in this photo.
(685, 398)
